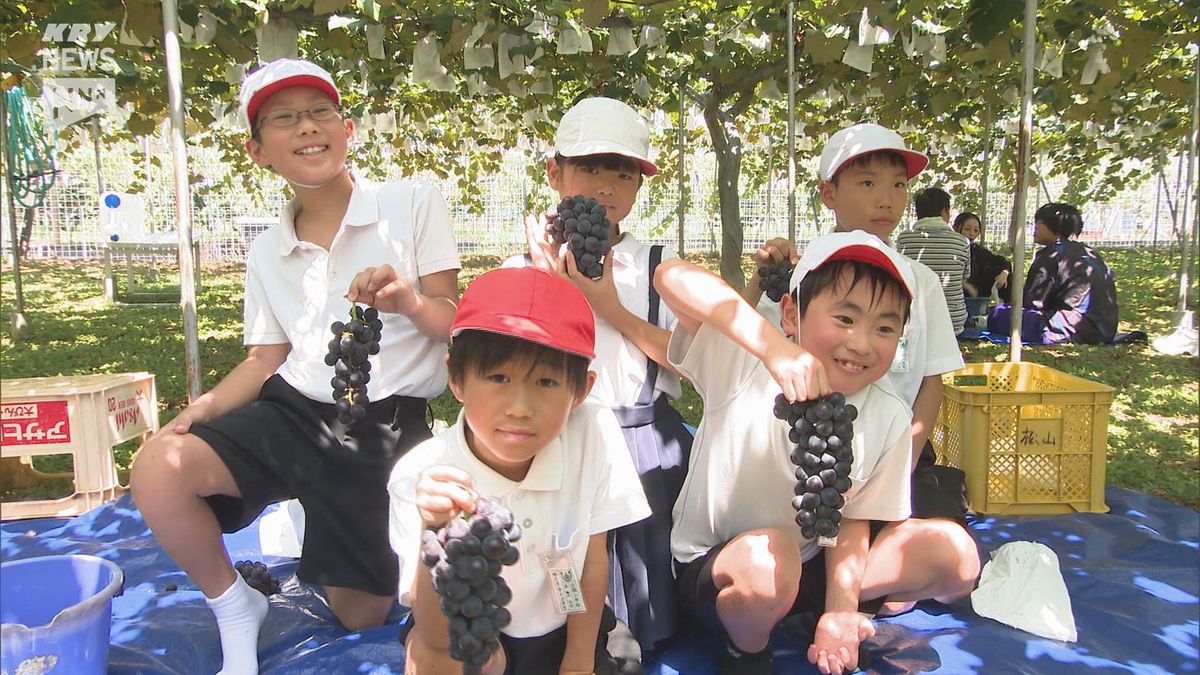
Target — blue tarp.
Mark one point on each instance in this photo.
(1133, 575)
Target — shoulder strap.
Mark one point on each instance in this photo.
(646, 396)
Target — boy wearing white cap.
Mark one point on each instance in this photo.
(743, 562)
(865, 170)
(269, 431)
(602, 151)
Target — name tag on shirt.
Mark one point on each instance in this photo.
(901, 363)
(564, 583)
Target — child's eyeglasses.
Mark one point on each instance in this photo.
(283, 117)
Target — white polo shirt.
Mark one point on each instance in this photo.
(295, 289)
(619, 365)
(582, 483)
(740, 477)
(928, 345)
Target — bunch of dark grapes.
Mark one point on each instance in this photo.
(775, 278)
(353, 342)
(822, 430)
(257, 576)
(579, 222)
(466, 556)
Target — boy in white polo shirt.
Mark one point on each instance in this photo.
(865, 170)
(602, 151)
(518, 362)
(744, 564)
(269, 430)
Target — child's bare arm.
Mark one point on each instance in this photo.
(431, 310)
(583, 628)
(841, 628)
(241, 386)
(602, 296)
(698, 296)
(925, 412)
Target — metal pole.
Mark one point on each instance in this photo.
(183, 200)
(682, 143)
(96, 150)
(1185, 268)
(770, 177)
(987, 169)
(1023, 152)
(791, 122)
(20, 326)
(1157, 203)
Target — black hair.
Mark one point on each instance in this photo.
(609, 161)
(888, 157)
(1063, 220)
(481, 351)
(829, 277)
(962, 218)
(931, 202)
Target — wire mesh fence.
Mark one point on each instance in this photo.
(68, 225)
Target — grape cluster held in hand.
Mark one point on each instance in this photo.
(775, 278)
(465, 557)
(352, 344)
(579, 222)
(822, 430)
(257, 576)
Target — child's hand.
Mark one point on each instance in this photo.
(442, 493)
(836, 640)
(799, 373)
(776, 251)
(773, 252)
(183, 422)
(543, 253)
(601, 293)
(382, 289)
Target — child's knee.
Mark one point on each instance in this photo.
(958, 555)
(760, 567)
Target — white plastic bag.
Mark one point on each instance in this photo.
(1022, 586)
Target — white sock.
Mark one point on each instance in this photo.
(240, 611)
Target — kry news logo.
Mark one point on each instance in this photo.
(71, 99)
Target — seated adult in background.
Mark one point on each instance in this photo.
(1070, 295)
(946, 252)
(988, 269)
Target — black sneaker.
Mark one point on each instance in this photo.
(736, 662)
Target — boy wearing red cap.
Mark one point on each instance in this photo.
(744, 563)
(602, 152)
(519, 364)
(269, 430)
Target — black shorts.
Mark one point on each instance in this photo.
(285, 445)
(938, 491)
(698, 591)
(542, 654)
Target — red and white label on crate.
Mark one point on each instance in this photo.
(127, 408)
(35, 423)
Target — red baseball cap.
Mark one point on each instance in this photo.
(856, 245)
(283, 74)
(529, 304)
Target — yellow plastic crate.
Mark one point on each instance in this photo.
(1030, 439)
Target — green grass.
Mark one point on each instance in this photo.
(1154, 428)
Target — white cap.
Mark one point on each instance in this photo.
(861, 139)
(604, 126)
(281, 74)
(856, 245)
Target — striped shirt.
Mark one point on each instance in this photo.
(933, 242)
